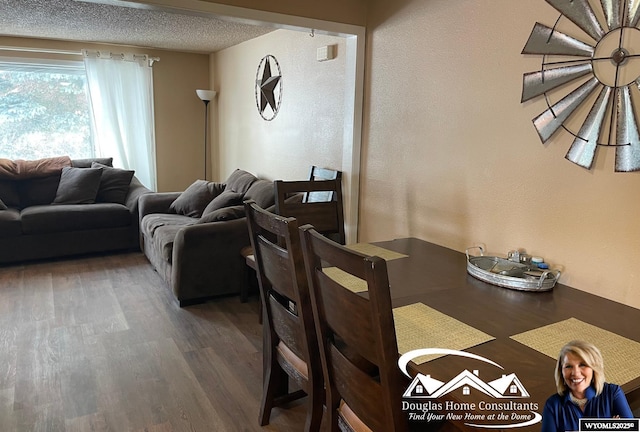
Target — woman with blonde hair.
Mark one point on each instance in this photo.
(582, 390)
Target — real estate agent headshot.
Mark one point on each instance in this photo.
(582, 390)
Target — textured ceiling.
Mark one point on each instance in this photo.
(101, 23)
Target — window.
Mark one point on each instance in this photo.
(44, 110)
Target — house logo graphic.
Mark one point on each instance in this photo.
(424, 386)
(426, 393)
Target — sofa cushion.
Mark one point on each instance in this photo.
(114, 184)
(195, 198)
(38, 191)
(262, 193)
(162, 228)
(240, 181)
(223, 214)
(74, 217)
(151, 222)
(78, 186)
(225, 199)
(9, 193)
(86, 163)
(3, 206)
(10, 225)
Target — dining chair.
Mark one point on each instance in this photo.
(290, 348)
(318, 173)
(326, 216)
(356, 337)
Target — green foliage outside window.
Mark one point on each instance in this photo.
(44, 112)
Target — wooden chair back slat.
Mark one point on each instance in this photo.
(335, 302)
(356, 386)
(326, 216)
(277, 269)
(287, 325)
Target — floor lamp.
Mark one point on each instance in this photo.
(206, 96)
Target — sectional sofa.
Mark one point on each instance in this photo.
(58, 207)
(193, 238)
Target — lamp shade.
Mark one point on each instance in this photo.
(206, 95)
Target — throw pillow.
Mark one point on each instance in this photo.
(262, 193)
(114, 184)
(38, 191)
(223, 214)
(239, 181)
(9, 193)
(195, 198)
(225, 199)
(86, 163)
(2, 205)
(78, 185)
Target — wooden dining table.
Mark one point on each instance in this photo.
(437, 277)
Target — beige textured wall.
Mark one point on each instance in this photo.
(180, 118)
(451, 156)
(179, 113)
(308, 129)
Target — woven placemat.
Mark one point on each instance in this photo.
(345, 279)
(419, 326)
(351, 282)
(371, 250)
(620, 354)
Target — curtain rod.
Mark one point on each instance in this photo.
(40, 50)
(55, 51)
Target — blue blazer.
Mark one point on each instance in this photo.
(560, 414)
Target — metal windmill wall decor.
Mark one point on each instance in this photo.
(591, 57)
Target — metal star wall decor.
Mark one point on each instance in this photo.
(268, 87)
(594, 63)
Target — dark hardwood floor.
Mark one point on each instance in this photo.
(99, 344)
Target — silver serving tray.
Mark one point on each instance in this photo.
(510, 274)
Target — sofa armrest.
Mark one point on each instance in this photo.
(136, 190)
(156, 202)
(207, 261)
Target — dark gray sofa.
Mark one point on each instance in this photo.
(193, 238)
(34, 226)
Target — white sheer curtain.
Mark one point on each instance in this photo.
(121, 92)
